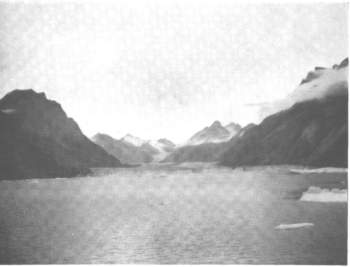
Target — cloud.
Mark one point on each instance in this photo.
(320, 83)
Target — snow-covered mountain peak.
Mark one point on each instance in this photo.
(136, 141)
(215, 133)
(216, 124)
(233, 128)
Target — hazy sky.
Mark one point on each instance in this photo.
(165, 69)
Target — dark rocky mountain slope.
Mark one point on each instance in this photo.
(38, 140)
(312, 132)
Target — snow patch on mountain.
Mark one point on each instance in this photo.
(233, 128)
(164, 147)
(136, 141)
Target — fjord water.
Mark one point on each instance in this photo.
(189, 213)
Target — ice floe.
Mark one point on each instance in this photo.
(321, 170)
(293, 226)
(316, 194)
(8, 111)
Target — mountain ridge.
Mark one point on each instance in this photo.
(311, 132)
(134, 150)
(38, 140)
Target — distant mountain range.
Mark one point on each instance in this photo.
(205, 145)
(38, 140)
(134, 150)
(311, 129)
(311, 132)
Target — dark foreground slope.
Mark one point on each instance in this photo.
(37, 140)
(311, 133)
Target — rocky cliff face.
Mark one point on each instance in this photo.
(38, 140)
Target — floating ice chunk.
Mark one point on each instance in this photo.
(320, 170)
(293, 226)
(316, 194)
(8, 111)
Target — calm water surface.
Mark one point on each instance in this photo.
(193, 213)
